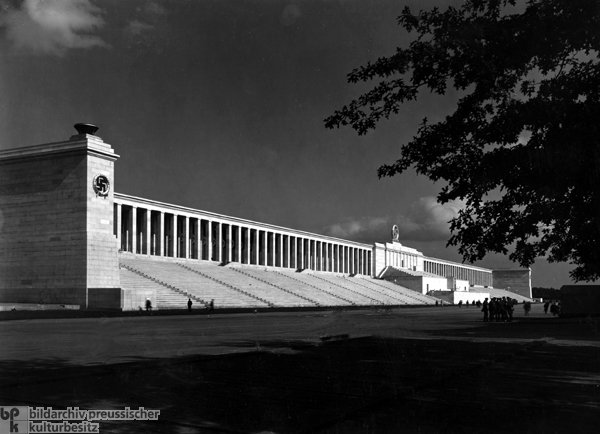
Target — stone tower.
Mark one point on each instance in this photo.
(56, 223)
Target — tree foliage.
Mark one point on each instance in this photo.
(522, 146)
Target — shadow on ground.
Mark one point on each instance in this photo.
(337, 385)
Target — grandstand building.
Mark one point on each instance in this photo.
(66, 237)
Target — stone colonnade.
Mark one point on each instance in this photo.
(403, 260)
(151, 228)
(475, 275)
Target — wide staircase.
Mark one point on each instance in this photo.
(166, 298)
(255, 284)
(374, 295)
(205, 287)
(237, 286)
(408, 296)
(412, 297)
(325, 295)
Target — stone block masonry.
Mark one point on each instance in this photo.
(517, 280)
(56, 237)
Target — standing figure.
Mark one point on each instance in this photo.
(189, 303)
(546, 306)
(211, 305)
(148, 304)
(504, 309)
(485, 310)
(526, 307)
(510, 307)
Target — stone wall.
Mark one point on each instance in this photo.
(43, 233)
(56, 236)
(517, 280)
(101, 246)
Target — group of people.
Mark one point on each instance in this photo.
(498, 309)
(553, 306)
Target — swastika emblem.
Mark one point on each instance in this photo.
(101, 185)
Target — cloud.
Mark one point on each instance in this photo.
(425, 220)
(155, 8)
(137, 27)
(428, 220)
(357, 229)
(53, 26)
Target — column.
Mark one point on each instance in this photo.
(300, 260)
(265, 247)
(313, 251)
(118, 225)
(229, 244)
(133, 234)
(238, 245)
(279, 239)
(209, 246)
(148, 233)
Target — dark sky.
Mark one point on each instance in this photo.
(219, 105)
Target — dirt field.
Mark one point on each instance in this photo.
(427, 370)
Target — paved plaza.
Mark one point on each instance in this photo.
(426, 370)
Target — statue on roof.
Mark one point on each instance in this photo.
(395, 233)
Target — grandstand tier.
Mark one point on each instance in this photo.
(235, 286)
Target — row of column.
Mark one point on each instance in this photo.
(401, 260)
(475, 277)
(157, 233)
